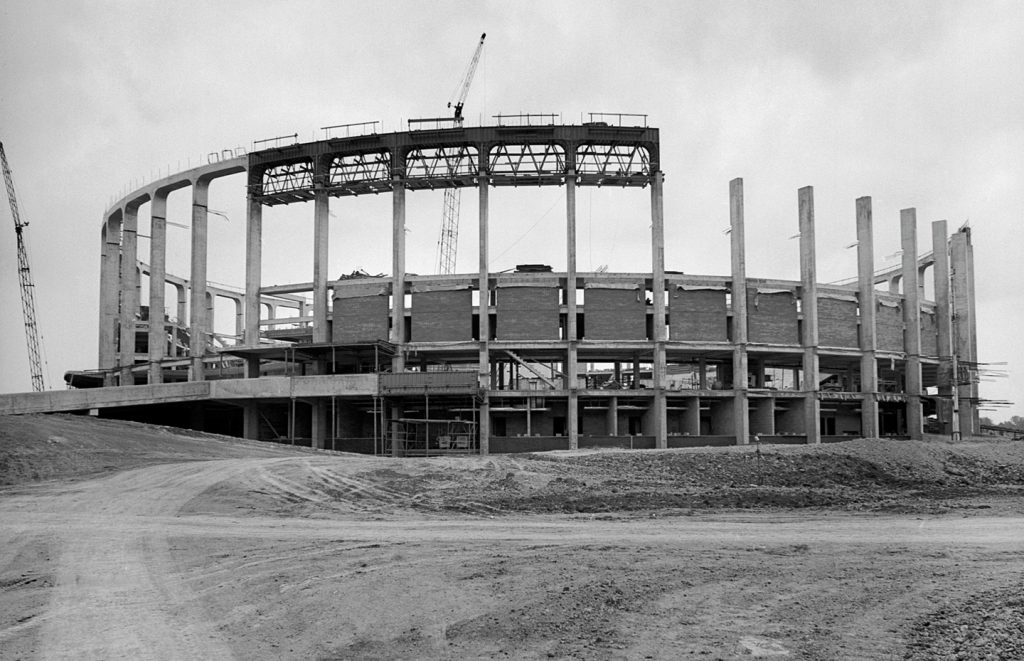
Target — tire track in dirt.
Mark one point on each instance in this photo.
(116, 593)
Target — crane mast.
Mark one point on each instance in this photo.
(448, 244)
(28, 303)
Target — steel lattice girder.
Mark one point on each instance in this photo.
(599, 156)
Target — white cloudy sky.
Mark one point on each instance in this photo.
(918, 104)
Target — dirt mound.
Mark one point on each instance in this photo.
(45, 447)
(989, 625)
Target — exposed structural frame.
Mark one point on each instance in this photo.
(537, 359)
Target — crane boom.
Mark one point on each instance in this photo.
(459, 99)
(448, 244)
(28, 303)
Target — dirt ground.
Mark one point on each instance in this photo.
(128, 541)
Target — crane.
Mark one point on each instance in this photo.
(28, 303)
(448, 244)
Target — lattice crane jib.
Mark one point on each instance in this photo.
(448, 243)
(28, 304)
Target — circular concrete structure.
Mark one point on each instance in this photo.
(533, 359)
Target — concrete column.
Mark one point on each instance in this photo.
(658, 298)
(109, 296)
(612, 420)
(198, 324)
(691, 417)
(319, 425)
(157, 285)
(572, 403)
(321, 211)
(253, 275)
(251, 421)
(912, 323)
(239, 318)
(181, 308)
(809, 307)
(483, 187)
(398, 274)
(129, 293)
(964, 333)
(940, 250)
(866, 301)
(741, 404)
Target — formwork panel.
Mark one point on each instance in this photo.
(698, 315)
(889, 327)
(772, 317)
(929, 335)
(527, 313)
(837, 323)
(442, 316)
(615, 314)
(360, 319)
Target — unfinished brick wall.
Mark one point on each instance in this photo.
(615, 314)
(698, 315)
(527, 313)
(442, 316)
(772, 318)
(837, 323)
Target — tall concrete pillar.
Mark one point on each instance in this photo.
(199, 328)
(868, 337)
(612, 417)
(912, 323)
(658, 299)
(253, 275)
(964, 330)
(157, 285)
(181, 307)
(129, 293)
(572, 405)
(741, 403)
(398, 274)
(109, 296)
(809, 307)
(321, 211)
(483, 186)
(940, 251)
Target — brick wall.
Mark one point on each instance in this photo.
(698, 315)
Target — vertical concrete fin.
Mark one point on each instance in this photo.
(912, 323)
(740, 370)
(866, 303)
(809, 308)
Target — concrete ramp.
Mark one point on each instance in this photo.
(274, 387)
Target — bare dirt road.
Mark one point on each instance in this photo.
(284, 554)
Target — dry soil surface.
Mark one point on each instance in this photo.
(123, 541)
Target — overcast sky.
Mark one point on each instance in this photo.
(917, 104)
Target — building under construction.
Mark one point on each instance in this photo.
(527, 360)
